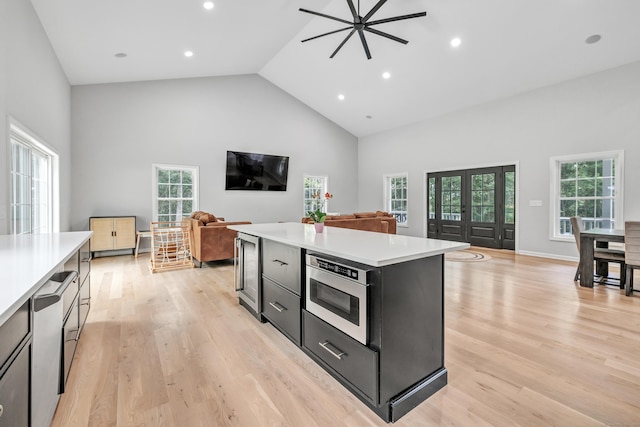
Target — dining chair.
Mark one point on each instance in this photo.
(599, 254)
(631, 253)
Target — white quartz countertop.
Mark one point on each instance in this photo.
(27, 261)
(375, 249)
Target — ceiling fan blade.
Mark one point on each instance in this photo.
(373, 10)
(326, 34)
(356, 18)
(353, 30)
(387, 35)
(397, 18)
(364, 44)
(325, 16)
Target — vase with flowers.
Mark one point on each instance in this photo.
(319, 214)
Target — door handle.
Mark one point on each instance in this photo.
(277, 306)
(236, 265)
(282, 263)
(44, 301)
(335, 351)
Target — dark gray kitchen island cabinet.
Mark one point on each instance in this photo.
(380, 327)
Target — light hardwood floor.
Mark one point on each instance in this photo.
(524, 346)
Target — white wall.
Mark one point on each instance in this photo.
(35, 92)
(597, 113)
(119, 130)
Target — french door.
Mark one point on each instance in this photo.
(475, 206)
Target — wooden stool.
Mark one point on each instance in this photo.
(139, 234)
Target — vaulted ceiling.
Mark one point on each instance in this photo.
(506, 47)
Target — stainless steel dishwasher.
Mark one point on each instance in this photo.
(47, 347)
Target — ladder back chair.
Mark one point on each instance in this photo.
(599, 254)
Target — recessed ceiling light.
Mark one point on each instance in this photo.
(188, 54)
(208, 5)
(120, 55)
(341, 97)
(455, 42)
(386, 75)
(595, 38)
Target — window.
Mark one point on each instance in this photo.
(483, 197)
(32, 183)
(588, 186)
(396, 197)
(431, 214)
(313, 185)
(509, 197)
(175, 191)
(452, 198)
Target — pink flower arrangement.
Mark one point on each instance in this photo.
(319, 215)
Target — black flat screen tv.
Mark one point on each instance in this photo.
(252, 171)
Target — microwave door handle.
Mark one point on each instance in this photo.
(237, 277)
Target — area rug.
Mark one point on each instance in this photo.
(466, 256)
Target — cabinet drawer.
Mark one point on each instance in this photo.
(356, 363)
(70, 332)
(85, 262)
(282, 264)
(282, 308)
(72, 263)
(13, 331)
(85, 301)
(69, 297)
(14, 391)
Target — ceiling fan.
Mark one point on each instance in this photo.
(362, 24)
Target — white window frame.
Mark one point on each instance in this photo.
(387, 178)
(20, 134)
(557, 161)
(195, 171)
(323, 191)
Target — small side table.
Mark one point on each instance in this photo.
(139, 234)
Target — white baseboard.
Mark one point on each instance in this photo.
(550, 256)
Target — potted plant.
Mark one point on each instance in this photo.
(319, 214)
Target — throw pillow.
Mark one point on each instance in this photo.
(207, 218)
(365, 214)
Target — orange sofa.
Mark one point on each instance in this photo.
(380, 222)
(211, 240)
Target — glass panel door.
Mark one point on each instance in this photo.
(485, 201)
(475, 206)
(446, 218)
(509, 226)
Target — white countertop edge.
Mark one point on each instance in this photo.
(42, 271)
(387, 255)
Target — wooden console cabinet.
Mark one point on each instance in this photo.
(113, 233)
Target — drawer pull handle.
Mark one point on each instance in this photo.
(282, 263)
(277, 307)
(335, 351)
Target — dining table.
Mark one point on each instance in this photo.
(601, 237)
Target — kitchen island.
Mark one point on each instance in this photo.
(367, 307)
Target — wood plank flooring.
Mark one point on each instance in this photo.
(524, 346)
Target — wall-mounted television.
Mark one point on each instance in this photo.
(253, 171)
